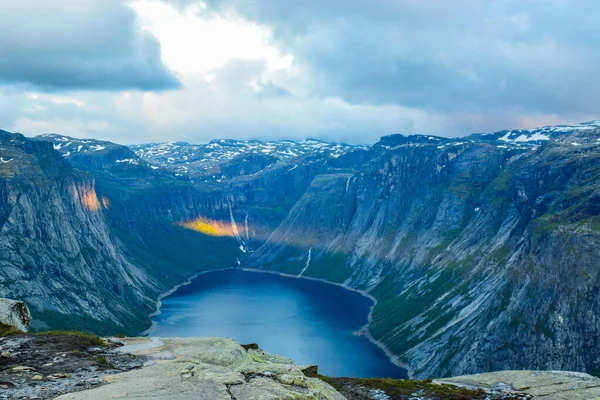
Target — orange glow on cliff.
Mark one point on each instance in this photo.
(105, 202)
(209, 227)
(89, 198)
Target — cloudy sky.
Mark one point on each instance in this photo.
(350, 70)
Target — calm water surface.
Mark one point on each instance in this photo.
(308, 321)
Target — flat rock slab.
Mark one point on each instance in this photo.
(208, 368)
(547, 385)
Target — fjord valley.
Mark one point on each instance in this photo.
(480, 252)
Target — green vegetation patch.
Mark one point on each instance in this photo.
(85, 338)
(102, 362)
(448, 237)
(402, 389)
(394, 309)
(329, 266)
(501, 255)
(289, 260)
(7, 330)
(272, 215)
(57, 321)
(555, 222)
(461, 191)
(174, 253)
(548, 223)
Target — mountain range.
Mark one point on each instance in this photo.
(480, 251)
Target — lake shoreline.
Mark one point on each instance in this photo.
(364, 331)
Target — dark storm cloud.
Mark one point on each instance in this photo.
(78, 45)
(460, 56)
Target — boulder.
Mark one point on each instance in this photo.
(14, 314)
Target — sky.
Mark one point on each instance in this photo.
(345, 70)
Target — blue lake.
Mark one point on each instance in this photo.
(306, 320)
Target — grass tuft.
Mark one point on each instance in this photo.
(89, 340)
(7, 330)
(405, 388)
(102, 362)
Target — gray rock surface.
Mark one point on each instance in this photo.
(14, 313)
(208, 369)
(546, 385)
(57, 251)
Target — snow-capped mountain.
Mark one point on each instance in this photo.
(535, 136)
(98, 155)
(226, 158)
(515, 139)
(67, 145)
(210, 158)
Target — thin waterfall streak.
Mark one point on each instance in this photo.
(307, 262)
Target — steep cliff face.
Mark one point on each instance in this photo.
(56, 250)
(481, 257)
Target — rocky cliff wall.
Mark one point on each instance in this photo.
(481, 258)
(57, 252)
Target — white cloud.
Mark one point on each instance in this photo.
(196, 42)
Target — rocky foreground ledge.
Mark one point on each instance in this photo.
(74, 366)
(207, 368)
